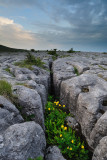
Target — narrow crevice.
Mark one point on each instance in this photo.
(79, 132)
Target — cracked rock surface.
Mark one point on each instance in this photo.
(81, 83)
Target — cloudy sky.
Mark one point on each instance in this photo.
(49, 24)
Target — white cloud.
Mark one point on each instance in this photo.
(14, 34)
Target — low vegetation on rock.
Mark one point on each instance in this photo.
(71, 51)
(5, 89)
(30, 61)
(53, 52)
(58, 133)
(38, 158)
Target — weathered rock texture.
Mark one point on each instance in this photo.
(9, 114)
(18, 140)
(100, 153)
(30, 102)
(22, 141)
(54, 153)
(81, 82)
(83, 90)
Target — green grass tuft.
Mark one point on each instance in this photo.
(38, 158)
(76, 71)
(5, 89)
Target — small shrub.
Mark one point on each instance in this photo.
(32, 50)
(29, 61)
(71, 51)
(53, 52)
(58, 133)
(104, 52)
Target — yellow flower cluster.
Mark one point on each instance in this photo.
(56, 103)
(65, 128)
(69, 148)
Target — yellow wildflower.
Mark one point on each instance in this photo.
(62, 126)
(49, 109)
(82, 147)
(65, 128)
(70, 148)
(60, 135)
(72, 141)
(63, 105)
(59, 105)
(67, 147)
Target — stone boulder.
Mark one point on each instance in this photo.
(30, 102)
(9, 114)
(61, 71)
(53, 153)
(84, 96)
(100, 152)
(22, 141)
(41, 91)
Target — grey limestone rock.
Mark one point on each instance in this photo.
(9, 114)
(71, 122)
(30, 102)
(83, 95)
(22, 141)
(53, 153)
(61, 71)
(41, 91)
(100, 152)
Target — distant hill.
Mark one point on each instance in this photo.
(8, 49)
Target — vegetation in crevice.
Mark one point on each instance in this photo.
(101, 76)
(8, 70)
(76, 71)
(102, 67)
(53, 53)
(5, 89)
(38, 158)
(60, 134)
(30, 61)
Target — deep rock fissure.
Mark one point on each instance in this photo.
(79, 133)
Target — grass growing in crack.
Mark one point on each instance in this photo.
(38, 158)
(58, 133)
(5, 89)
(8, 70)
(30, 61)
(24, 84)
(102, 67)
(76, 71)
(101, 76)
